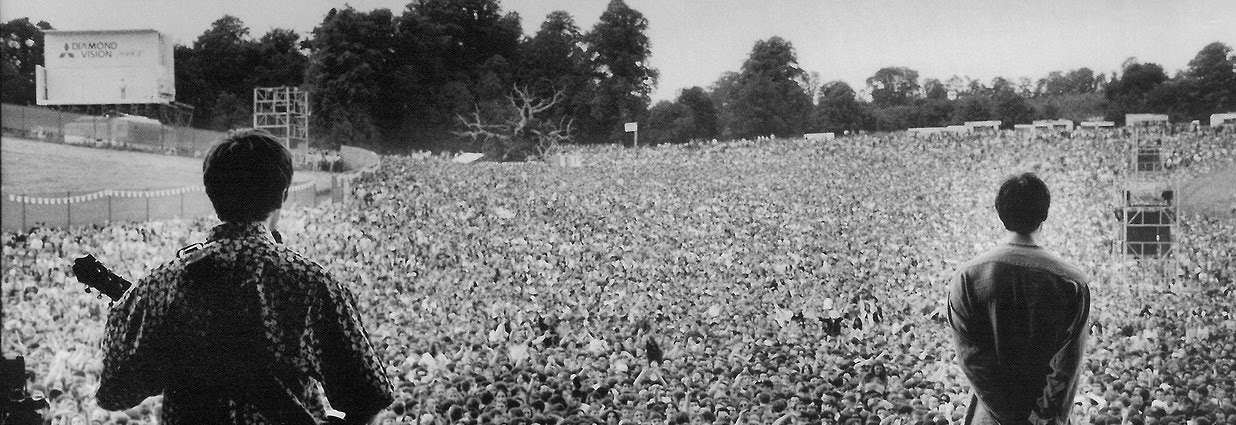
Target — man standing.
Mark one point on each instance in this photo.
(242, 330)
(1020, 318)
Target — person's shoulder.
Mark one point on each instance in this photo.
(995, 255)
(1027, 257)
(295, 262)
(164, 273)
(1064, 269)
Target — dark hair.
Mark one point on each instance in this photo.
(246, 175)
(1022, 203)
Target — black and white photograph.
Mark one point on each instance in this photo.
(618, 212)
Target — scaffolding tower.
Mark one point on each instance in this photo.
(1148, 208)
(284, 112)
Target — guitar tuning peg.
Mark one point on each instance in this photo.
(87, 289)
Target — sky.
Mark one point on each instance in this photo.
(695, 41)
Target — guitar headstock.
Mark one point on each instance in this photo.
(93, 274)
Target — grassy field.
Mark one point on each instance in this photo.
(34, 167)
(1214, 194)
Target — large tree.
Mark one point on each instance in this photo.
(553, 60)
(451, 57)
(1210, 81)
(703, 112)
(893, 86)
(691, 116)
(1127, 94)
(669, 122)
(21, 45)
(348, 70)
(217, 70)
(768, 97)
(217, 74)
(839, 110)
(619, 49)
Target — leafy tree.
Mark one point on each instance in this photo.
(932, 112)
(1210, 81)
(22, 50)
(893, 86)
(972, 107)
(280, 60)
(703, 112)
(215, 64)
(450, 57)
(691, 116)
(957, 86)
(934, 89)
(894, 117)
(218, 73)
(468, 33)
(1078, 81)
(1007, 105)
(1082, 80)
(723, 89)
(554, 60)
(839, 110)
(619, 49)
(1076, 107)
(768, 98)
(1127, 94)
(669, 122)
(348, 69)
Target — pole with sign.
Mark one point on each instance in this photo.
(633, 128)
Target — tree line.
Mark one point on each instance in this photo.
(772, 95)
(420, 78)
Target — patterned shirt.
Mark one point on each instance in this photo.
(242, 331)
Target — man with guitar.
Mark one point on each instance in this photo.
(239, 329)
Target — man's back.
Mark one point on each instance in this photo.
(236, 331)
(1019, 317)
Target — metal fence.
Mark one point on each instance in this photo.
(51, 125)
(21, 211)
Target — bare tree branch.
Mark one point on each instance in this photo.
(521, 130)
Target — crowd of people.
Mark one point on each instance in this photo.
(771, 282)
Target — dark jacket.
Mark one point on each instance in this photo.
(1020, 320)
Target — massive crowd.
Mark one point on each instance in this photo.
(775, 282)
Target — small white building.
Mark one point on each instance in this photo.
(1094, 125)
(993, 126)
(1217, 120)
(1054, 125)
(1145, 120)
(819, 136)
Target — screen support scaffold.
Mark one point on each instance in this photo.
(284, 112)
(1147, 209)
